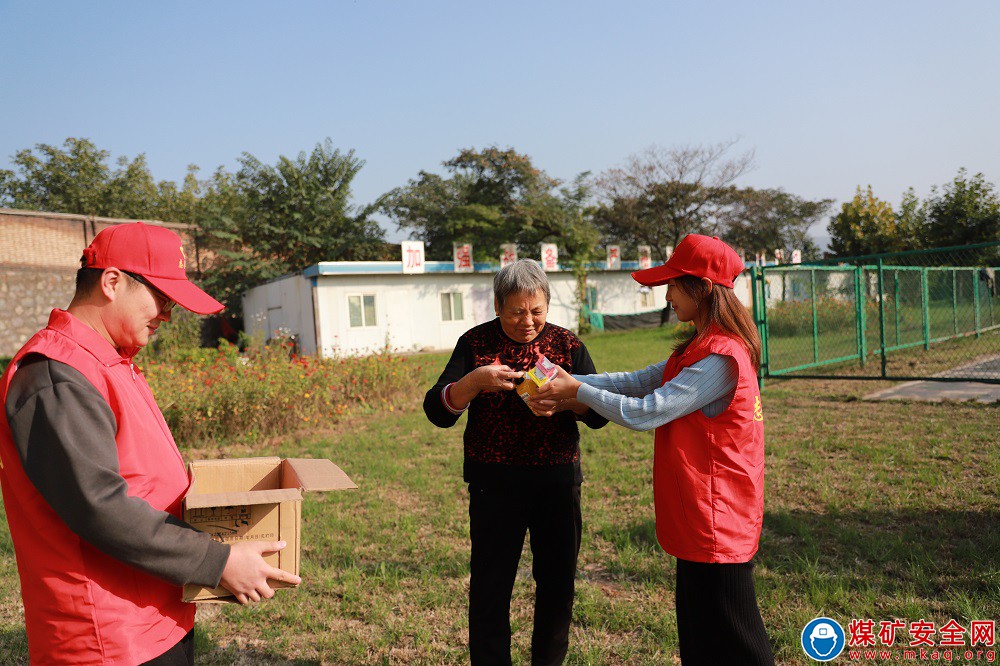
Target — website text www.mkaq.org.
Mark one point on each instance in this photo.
(952, 641)
(946, 655)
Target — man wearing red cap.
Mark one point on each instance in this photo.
(92, 480)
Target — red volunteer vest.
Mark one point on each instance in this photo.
(708, 474)
(80, 605)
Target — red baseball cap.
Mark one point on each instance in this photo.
(155, 253)
(697, 255)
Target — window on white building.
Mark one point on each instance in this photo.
(451, 306)
(361, 309)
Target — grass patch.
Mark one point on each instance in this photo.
(873, 510)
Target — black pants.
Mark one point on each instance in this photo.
(718, 620)
(499, 519)
(181, 654)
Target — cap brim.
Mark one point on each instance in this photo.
(657, 275)
(187, 295)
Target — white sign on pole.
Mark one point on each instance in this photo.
(645, 257)
(550, 257)
(796, 256)
(413, 256)
(778, 255)
(463, 257)
(614, 257)
(508, 254)
(670, 251)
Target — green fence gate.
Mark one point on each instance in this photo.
(927, 314)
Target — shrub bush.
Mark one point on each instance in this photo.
(177, 338)
(220, 395)
(791, 318)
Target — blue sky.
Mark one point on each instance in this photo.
(829, 95)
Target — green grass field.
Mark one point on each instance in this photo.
(873, 510)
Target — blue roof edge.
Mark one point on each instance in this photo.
(396, 267)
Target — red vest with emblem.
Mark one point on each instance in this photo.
(80, 605)
(708, 473)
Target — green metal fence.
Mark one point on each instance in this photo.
(928, 314)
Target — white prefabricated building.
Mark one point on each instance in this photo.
(338, 307)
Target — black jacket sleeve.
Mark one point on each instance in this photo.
(64, 431)
(459, 365)
(584, 365)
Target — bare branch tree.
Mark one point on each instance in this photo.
(663, 194)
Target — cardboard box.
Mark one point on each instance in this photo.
(255, 499)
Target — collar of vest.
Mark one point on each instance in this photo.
(704, 338)
(66, 324)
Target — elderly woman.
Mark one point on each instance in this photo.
(523, 470)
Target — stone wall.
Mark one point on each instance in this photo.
(27, 295)
(39, 256)
(51, 240)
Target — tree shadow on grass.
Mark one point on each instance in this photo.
(933, 553)
(14, 652)
(640, 535)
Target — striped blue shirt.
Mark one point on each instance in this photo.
(640, 401)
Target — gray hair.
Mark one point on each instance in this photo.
(524, 276)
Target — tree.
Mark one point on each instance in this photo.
(299, 211)
(490, 197)
(255, 225)
(967, 211)
(77, 179)
(230, 267)
(865, 225)
(911, 219)
(130, 192)
(439, 212)
(68, 180)
(265, 221)
(770, 219)
(661, 195)
(181, 205)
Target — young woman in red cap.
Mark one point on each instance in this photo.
(708, 464)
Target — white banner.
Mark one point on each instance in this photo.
(413, 256)
(550, 257)
(508, 254)
(463, 257)
(645, 257)
(796, 256)
(614, 258)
